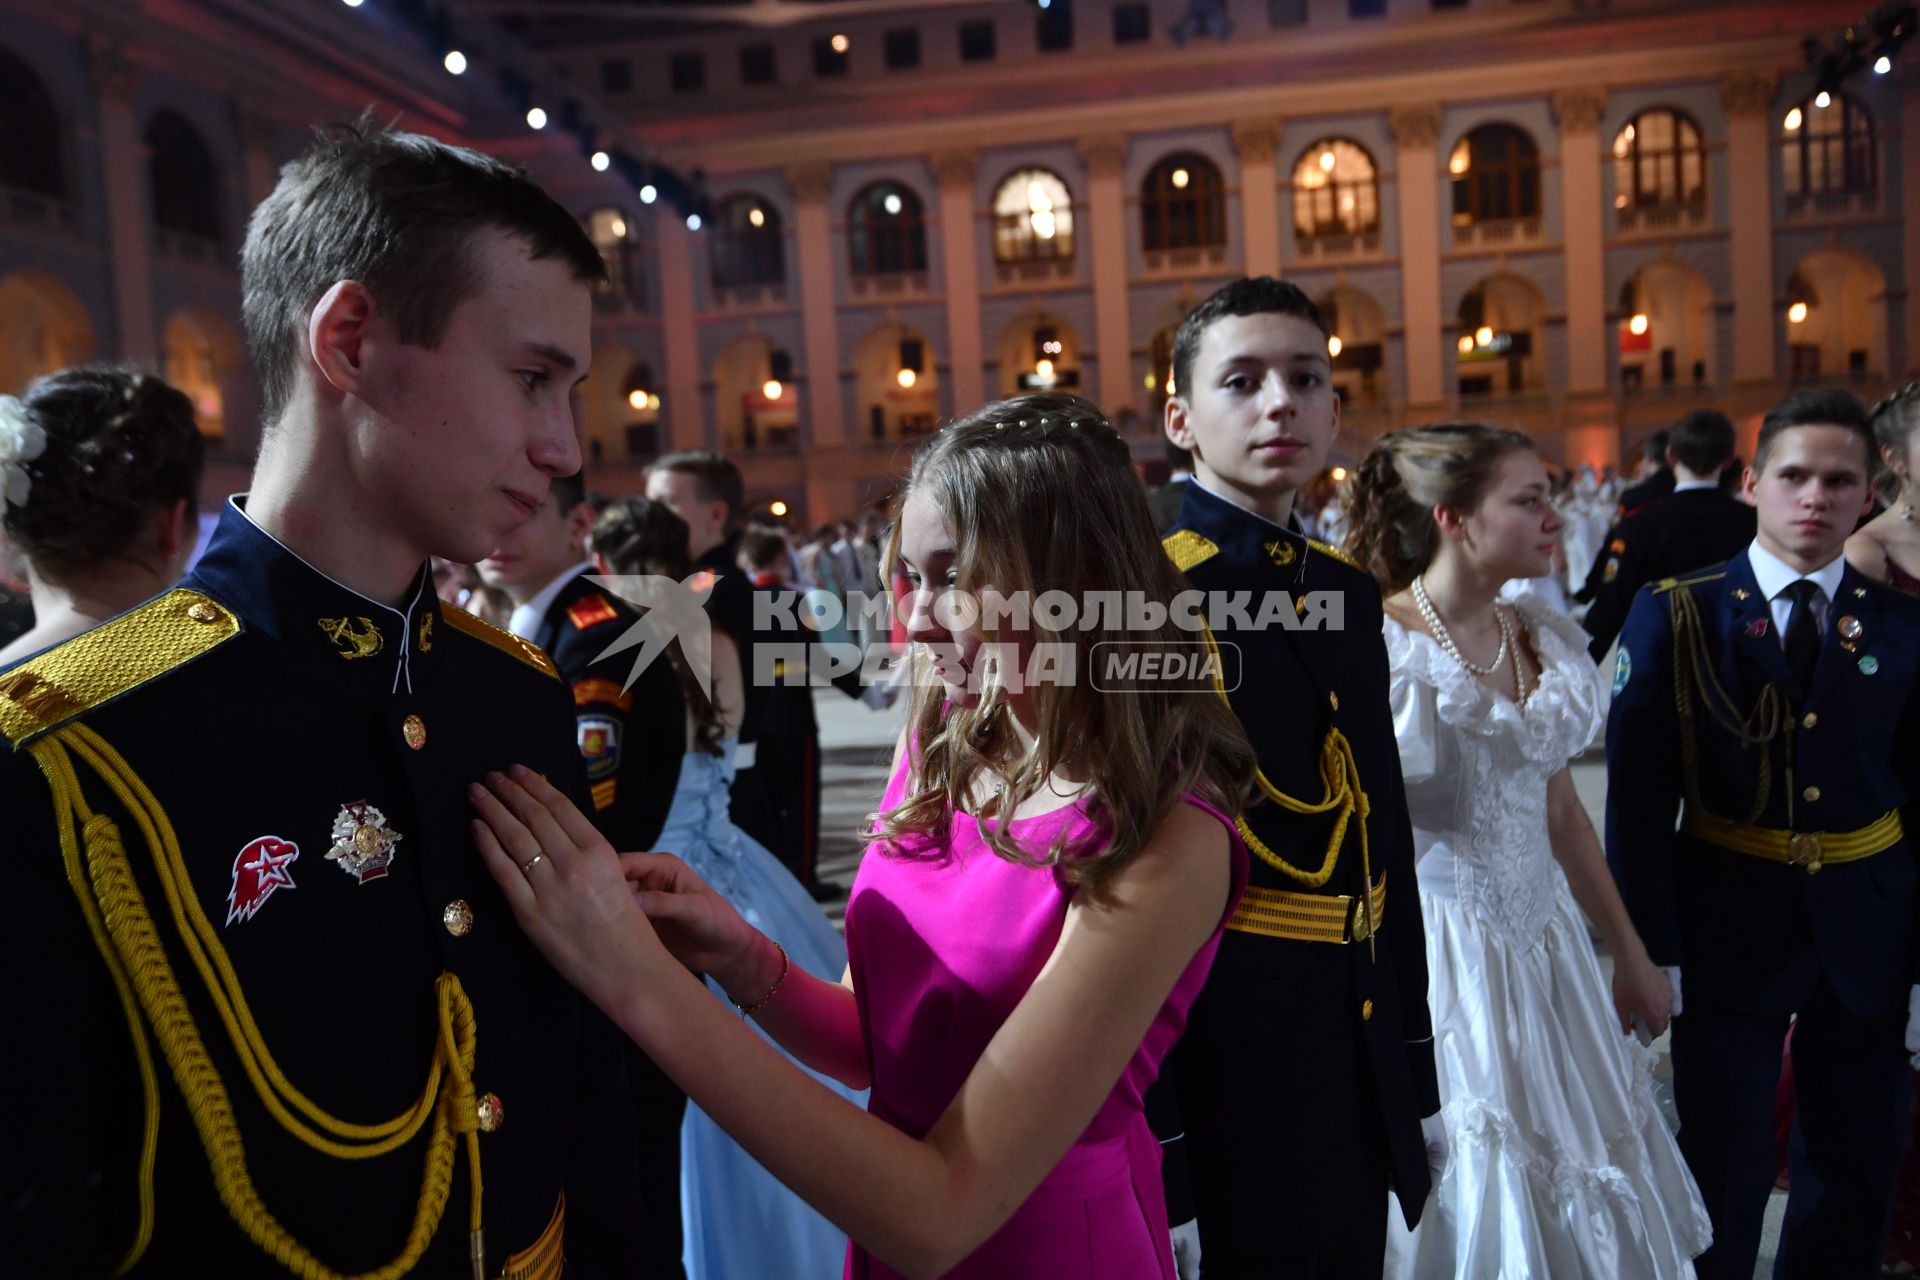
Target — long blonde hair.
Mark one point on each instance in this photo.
(1040, 494)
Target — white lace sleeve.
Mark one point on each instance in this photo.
(1416, 720)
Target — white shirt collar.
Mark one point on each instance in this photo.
(1691, 485)
(1774, 575)
(526, 617)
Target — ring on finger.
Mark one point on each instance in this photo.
(527, 866)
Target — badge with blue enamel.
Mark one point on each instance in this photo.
(1622, 670)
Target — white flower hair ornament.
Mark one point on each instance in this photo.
(21, 441)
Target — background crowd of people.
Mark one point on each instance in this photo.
(1136, 981)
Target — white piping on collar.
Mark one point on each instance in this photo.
(403, 668)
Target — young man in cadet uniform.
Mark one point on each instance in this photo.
(1305, 1079)
(1697, 524)
(1769, 704)
(706, 491)
(279, 1016)
(631, 740)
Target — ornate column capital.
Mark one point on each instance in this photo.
(1416, 125)
(956, 167)
(810, 181)
(1256, 140)
(1104, 154)
(1579, 109)
(115, 74)
(1748, 93)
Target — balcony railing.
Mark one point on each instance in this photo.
(36, 209)
(1831, 204)
(1662, 219)
(1184, 261)
(741, 297)
(1324, 247)
(1034, 271)
(1498, 233)
(892, 284)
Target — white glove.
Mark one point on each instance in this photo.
(1673, 975)
(1186, 1249)
(1439, 1153)
(1913, 1025)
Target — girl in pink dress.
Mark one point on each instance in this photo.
(1042, 896)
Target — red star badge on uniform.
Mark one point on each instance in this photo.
(258, 870)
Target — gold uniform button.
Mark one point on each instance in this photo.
(1809, 720)
(458, 917)
(1333, 699)
(1366, 1010)
(492, 1113)
(1810, 794)
(201, 611)
(414, 730)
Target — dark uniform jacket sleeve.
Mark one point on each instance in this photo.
(631, 738)
(1622, 570)
(1643, 776)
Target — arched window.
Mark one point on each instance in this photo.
(1498, 320)
(886, 231)
(1496, 176)
(612, 234)
(1659, 163)
(745, 247)
(186, 187)
(1829, 151)
(1336, 193)
(30, 159)
(1032, 218)
(1183, 204)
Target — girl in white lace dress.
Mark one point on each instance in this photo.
(1562, 1164)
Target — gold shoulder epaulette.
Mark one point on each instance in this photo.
(505, 641)
(99, 665)
(1328, 549)
(1665, 585)
(1186, 549)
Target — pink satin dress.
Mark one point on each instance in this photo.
(944, 937)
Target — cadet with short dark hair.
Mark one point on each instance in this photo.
(281, 1019)
(1763, 743)
(1305, 1080)
(1697, 525)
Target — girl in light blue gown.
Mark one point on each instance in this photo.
(738, 1222)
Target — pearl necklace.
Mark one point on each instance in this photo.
(1452, 650)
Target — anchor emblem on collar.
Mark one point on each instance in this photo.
(349, 642)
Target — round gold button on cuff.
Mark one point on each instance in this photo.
(414, 730)
(1810, 794)
(1809, 720)
(1333, 699)
(492, 1113)
(1366, 1010)
(201, 611)
(458, 917)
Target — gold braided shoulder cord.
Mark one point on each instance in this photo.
(124, 932)
(1693, 673)
(1340, 775)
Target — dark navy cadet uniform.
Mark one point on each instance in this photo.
(632, 741)
(1307, 1062)
(1787, 889)
(268, 1009)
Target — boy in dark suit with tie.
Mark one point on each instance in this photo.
(1769, 704)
